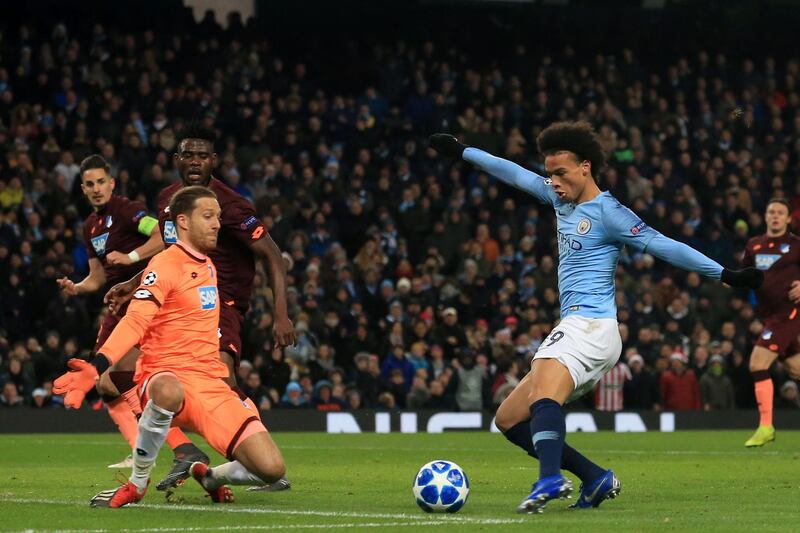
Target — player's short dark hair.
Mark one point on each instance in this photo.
(782, 201)
(576, 137)
(197, 130)
(95, 161)
(184, 201)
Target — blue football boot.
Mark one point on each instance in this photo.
(544, 490)
(605, 487)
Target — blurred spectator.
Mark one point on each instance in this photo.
(679, 388)
(641, 391)
(609, 390)
(10, 397)
(716, 388)
(294, 397)
(789, 396)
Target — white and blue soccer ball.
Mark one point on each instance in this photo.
(441, 487)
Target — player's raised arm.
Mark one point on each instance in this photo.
(91, 283)
(624, 226)
(504, 170)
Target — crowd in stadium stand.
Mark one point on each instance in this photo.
(418, 282)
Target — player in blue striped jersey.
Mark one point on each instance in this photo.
(593, 226)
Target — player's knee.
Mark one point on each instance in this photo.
(504, 418)
(272, 469)
(167, 393)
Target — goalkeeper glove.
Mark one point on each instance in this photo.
(446, 144)
(749, 277)
(80, 379)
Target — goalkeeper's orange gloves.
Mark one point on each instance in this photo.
(81, 378)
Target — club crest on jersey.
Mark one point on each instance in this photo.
(99, 243)
(149, 278)
(638, 227)
(109, 221)
(765, 261)
(767, 335)
(170, 233)
(208, 297)
(785, 248)
(584, 226)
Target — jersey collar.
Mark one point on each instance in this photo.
(191, 252)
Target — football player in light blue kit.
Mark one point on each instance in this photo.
(592, 229)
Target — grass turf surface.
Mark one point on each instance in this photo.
(698, 481)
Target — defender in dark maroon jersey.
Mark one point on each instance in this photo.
(242, 237)
(120, 237)
(777, 253)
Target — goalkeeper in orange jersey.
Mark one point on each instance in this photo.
(174, 316)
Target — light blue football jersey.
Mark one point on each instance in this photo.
(590, 238)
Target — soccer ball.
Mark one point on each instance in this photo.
(441, 486)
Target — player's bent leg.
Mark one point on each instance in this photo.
(259, 454)
(165, 398)
(551, 384)
(258, 462)
(760, 361)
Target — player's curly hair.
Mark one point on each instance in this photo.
(576, 137)
(197, 130)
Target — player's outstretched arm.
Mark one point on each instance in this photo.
(624, 226)
(91, 283)
(684, 256)
(506, 171)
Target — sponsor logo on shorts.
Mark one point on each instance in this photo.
(208, 297)
(99, 243)
(170, 233)
(249, 222)
(149, 278)
(638, 228)
(584, 226)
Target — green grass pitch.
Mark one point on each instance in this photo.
(688, 481)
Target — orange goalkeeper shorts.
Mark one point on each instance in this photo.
(212, 409)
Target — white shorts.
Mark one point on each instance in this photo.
(588, 347)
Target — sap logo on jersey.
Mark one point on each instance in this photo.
(765, 261)
(99, 243)
(170, 233)
(208, 297)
